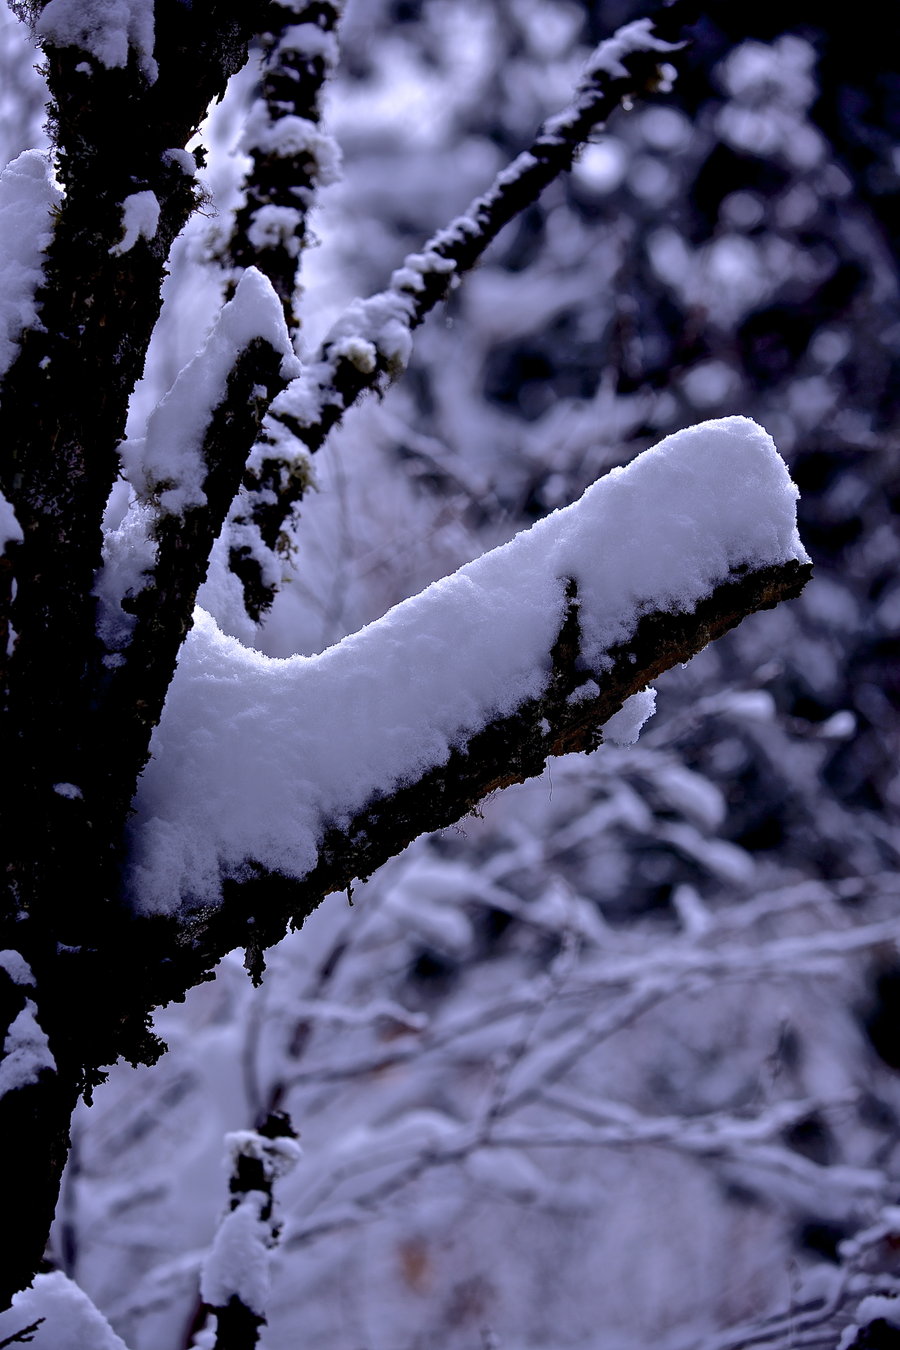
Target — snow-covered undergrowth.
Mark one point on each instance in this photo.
(256, 757)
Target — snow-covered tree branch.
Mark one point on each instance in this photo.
(525, 653)
(186, 779)
(371, 342)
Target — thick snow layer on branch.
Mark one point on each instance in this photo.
(238, 1264)
(68, 1318)
(255, 758)
(26, 1050)
(105, 29)
(168, 462)
(276, 227)
(27, 197)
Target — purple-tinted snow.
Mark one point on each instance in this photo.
(255, 757)
(27, 196)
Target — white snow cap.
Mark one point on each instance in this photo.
(169, 461)
(27, 196)
(256, 758)
(633, 37)
(278, 1155)
(105, 29)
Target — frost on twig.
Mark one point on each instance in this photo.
(275, 782)
(370, 344)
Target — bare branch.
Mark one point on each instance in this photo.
(26, 1334)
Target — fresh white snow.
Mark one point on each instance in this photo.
(278, 1155)
(291, 136)
(16, 967)
(140, 220)
(168, 463)
(105, 29)
(26, 1051)
(632, 37)
(624, 727)
(27, 197)
(165, 469)
(276, 227)
(255, 758)
(238, 1262)
(129, 552)
(70, 1320)
(878, 1306)
(308, 39)
(379, 326)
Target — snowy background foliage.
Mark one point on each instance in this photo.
(613, 1063)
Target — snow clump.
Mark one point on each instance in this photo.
(27, 198)
(106, 29)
